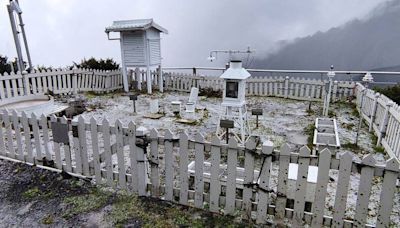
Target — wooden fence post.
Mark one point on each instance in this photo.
(26, 83)
(74, 82)
(161, 79)
(264, 177)
(334, 91)
(373, 113)
(384, 123)
(138, 78)
(286, 86)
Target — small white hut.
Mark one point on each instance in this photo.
(140, 46)
(234, 102)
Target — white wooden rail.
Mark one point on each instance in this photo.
(383, 118)
(59, 82)
(123, 157)
(286, 87)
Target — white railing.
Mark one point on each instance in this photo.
(383, 118)
(123, 157)
(59, 82)
(293, 88)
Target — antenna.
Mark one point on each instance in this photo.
(214, 53)
(13, 8)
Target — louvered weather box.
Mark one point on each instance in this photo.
(140, 46)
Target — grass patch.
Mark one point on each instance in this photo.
(153, 213)
(309, 131)
(32, 193)
(351, 146)
(85, 203)
(48, 220)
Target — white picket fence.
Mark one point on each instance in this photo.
(59, 82)
(383, 117)
(153, 165)
(286, 87)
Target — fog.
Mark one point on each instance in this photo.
(61, 31)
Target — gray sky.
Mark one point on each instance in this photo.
(62, 31)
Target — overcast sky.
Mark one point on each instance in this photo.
(62, 31)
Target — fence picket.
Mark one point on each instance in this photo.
(133, 155)
(169, 169)
(17, 133)
(364, 190)
(27, 137)
(183, 168)
(342, 189)
(154, 162)
(56, 146)
(107, 152)
(264, 179)
(324, 162)
(46, 140)
(95, 148)
(387, 193)
(120, 154)
(67, 149)
(249, 177)
(215, 186)
(36, 136)
(7, 125)
(284, 160)
(198, 179)
(231, 177)
(83, 146)
(301, 186)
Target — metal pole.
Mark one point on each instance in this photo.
(360, 115)
(21, 24)
(227, 135)
(20, 62)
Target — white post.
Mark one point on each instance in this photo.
(74, 81)
(286, 86)
(148, 76)
(161, 79)
(374, 107)
(331, 74)
(123, 66)
(384, 123)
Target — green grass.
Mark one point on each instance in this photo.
(85, 203)
(309, 131)
(32, 193)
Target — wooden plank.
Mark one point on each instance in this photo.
(36, 136)
(321, 187)
(342, 189)
(183, 168)
(17, 135)
(2, 142)
(2, 93)
(142, 172)
(46, 140)
(264, 179)
(67, 149)
(133, 155)
(169, 162)
(14, 87)
(284, 160)
(83, 146)
(301, 187)
(56, 147)
(107, 152)
(7, 125)
(248, 177)
(215, 186)
(27, 137)
(154, 163)
(231, 177)
(120, 154)
(198, 178)
(364, 190)
(8, 88)
(95, 148)
(387, 193)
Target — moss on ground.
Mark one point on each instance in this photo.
(309, 131)
(85, 203)
(148, 212)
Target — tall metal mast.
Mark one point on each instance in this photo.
(14, 7)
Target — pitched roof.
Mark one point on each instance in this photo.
(133, 25)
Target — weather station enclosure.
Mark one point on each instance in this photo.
(234, 101)
(140, 47)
